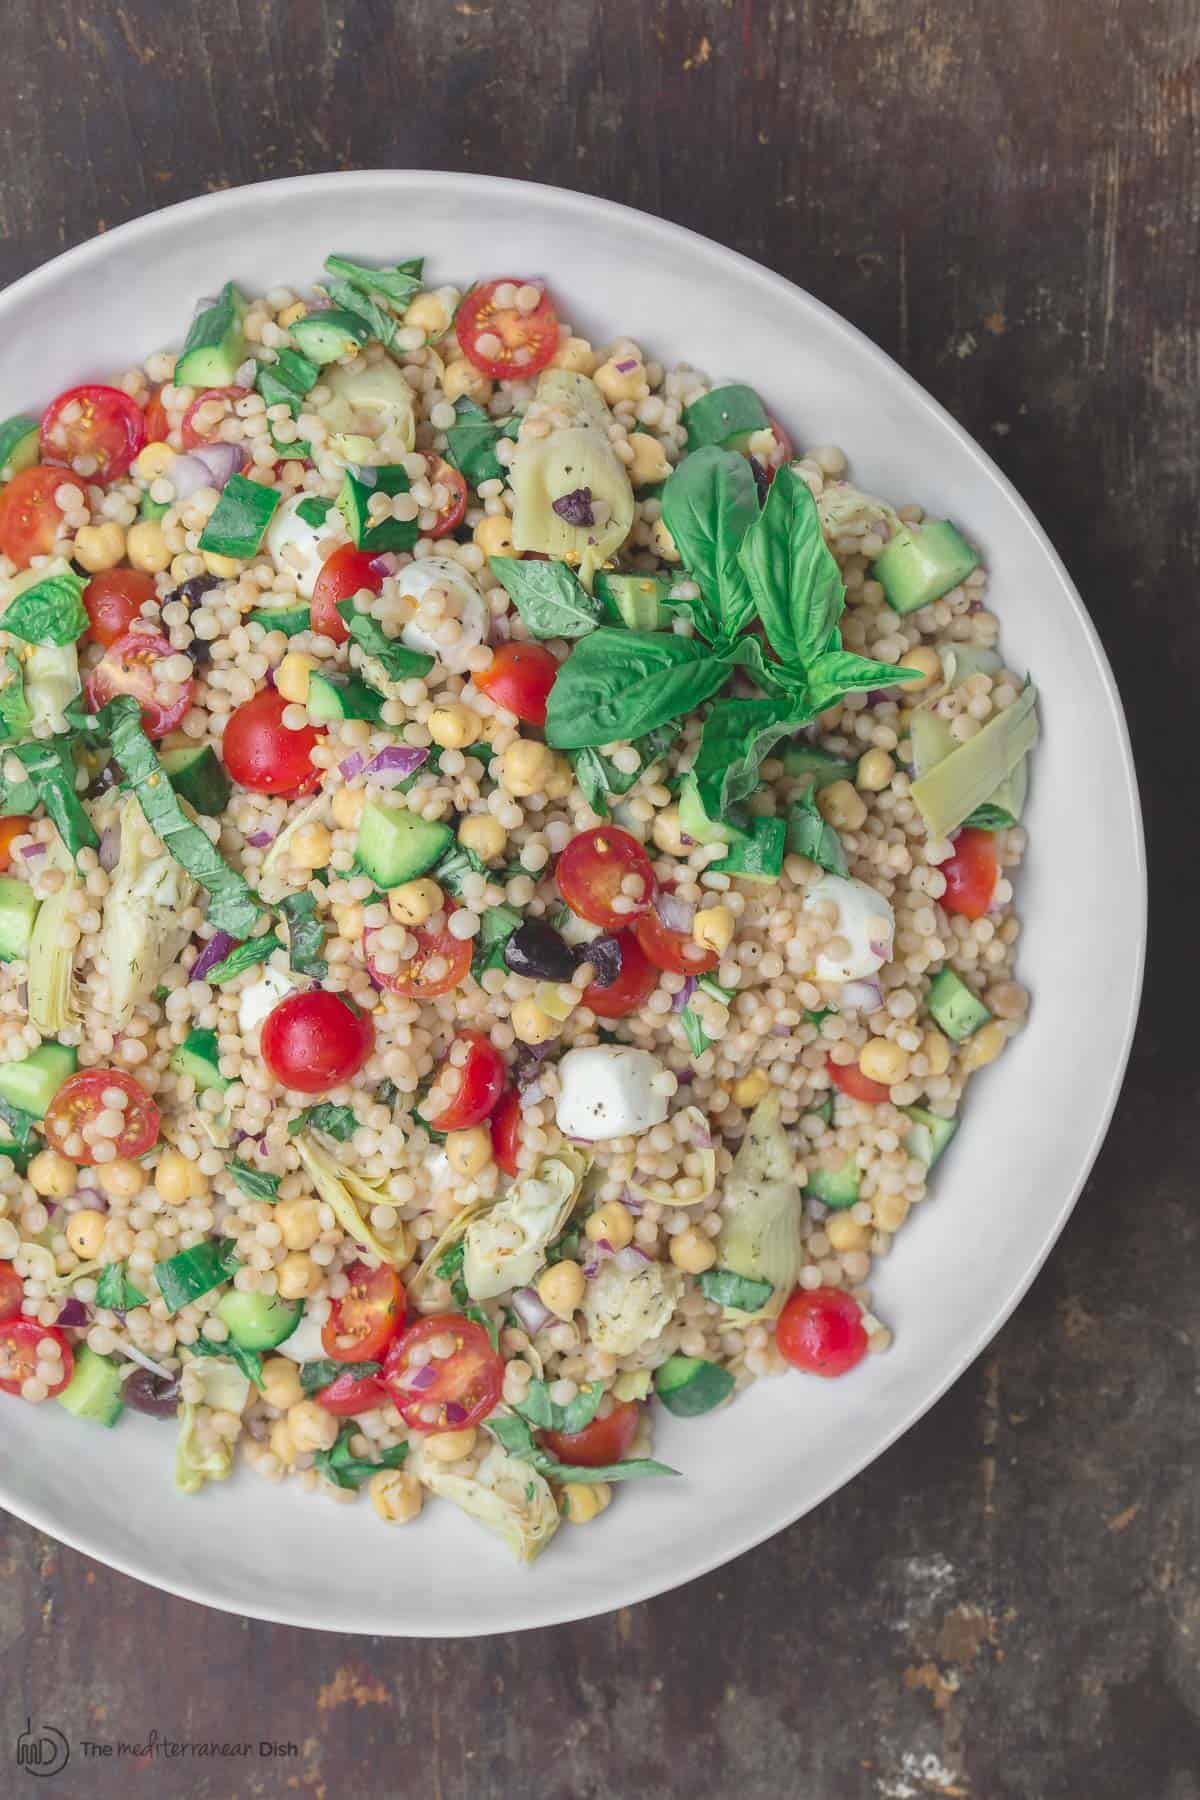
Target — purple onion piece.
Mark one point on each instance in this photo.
(675, 914)
(623, 368)
(861, 996)
(575, 508)
(261, 839)
(110, 848)
(685, 993)
(215, 951)
(421, 1378)
(604, 954)
(32, 850)
(684, 1075)
(455, 1414)
(395, 764)
(73, 1314)
(530, 1308)
(220, 459)
(188, 475)
(354, 765)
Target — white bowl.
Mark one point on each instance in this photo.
(1034, 1122)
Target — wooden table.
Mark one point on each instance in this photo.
(1005, 1606)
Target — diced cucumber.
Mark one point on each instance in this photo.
(94, 1390)
(288, 619)
(215, 345)
(837, 1188)
(725, 414)
(240, 518)
(33, 1082)
(354, 500)
(259, 1321)
(634, 600)
(689, 1386)
(929, 1135)
(287, 380)
(342, 697)
(189, 1274)
(809, 759)
(198, 776)
(395, 846)
(918, 567)
(758, 857)
(18, 909)
(197, 1057)
(154, 510)
(951, 1004)
(695, 823)
(19, 445)
(324, 336)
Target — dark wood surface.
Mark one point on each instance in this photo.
(1007, 1605)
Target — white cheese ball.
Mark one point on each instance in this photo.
(288, 531)
(262, 997)
(605, 1092)
(864, 919)
(415, 580)
(304, 1344)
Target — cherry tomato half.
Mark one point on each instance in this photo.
(505, 1125)
(157, 422)
(785, 453)
(851, 1080)
(20, 1341)
(519, 678)
(80, 1101)
(127, 667)
(821, 1331)
(113, 600)
(675, 951)
(12, 1291)
(98, 426)
(481, 1082)
(14, 826)
(459, 1390)
(342, 575)
(363, 1322)
(592, 868)
(313, 1042)
(440, 963)
(605, 1440)
(632, 988)
(350, 1395)
(971, 874)
(504, 342)
(30, 516)
(262, 754)
(202, 427)
(442, 475)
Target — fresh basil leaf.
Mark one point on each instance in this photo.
(824, 1012)
(809, 835)
(549, 598)
(320, 1374)
(15, 715)
(730, 1289)
(693, 1030)
(515, 1435)
(338, 1121)
(478, 1317)
(565, 1247)
(115, 1292)
(471, 443)
(244, 956)
(398, 285)
(496, 926)
(50, 768)
(346, 1470)
(315, 510)
(839, 672)
(456, 863)
(49, 611)
(618, 685)
(546, 1414)
(449, 1264)
(306, 935)
(792, 574)
(598, 775)
(989, 818)
(380, 323)
(738, 735)
(256, 1184)
(22, 1125)
(248, 1361)
(709, 503)
(395, 658)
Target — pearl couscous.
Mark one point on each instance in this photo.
(508, 877)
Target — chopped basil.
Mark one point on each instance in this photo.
(730, 1289)
(248, 1361)
(192, 1273)
(244, 956)
(989, 818)
(22, 1125)
(379, 322)
(809, 835)
(565, 1247)
(338, 1121)
(320, 1374)
(515, 1434)
(725, 412)
(395, 658)
(16, 717)
(50, 611)
(346, 1470)
(471, 443)
(693, 1026)
(598, 776)
(240, 518)
(549, 597)
(315, 510)
(495, 928)
(50, 768)
(115, 1292)
(256, 1184)
(287, 380)
(398, 285)
(547, 1415)
(454, 866)
(306, 935)
(354, 501)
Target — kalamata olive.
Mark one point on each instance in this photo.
(147, 1392)
(536, 949)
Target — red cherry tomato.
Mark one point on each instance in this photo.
(127, 667)
(675, 951)
(440, 963)
(481, 1083)
(196, 430)
(786, 452)
(341, 577)
(30, 516)
(632, 988)
(99, 426)
(604, 1441)
(12, 1290)
(20, 1341)
(506, 344)
(262, 754)
(113, 600)
(592, 868)
(14, 826)
(821, 1331)
(80, 1100)
(363, 1322)
(463, 1387)
(313, 1042)
(157, 422)
(851, 1080)
(506, 1131)
(519, 678)
(350, 1395)
(451, 513)
(971, 874)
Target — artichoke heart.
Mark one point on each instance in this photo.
(53, 1003)
(629, 1301)
(506, 1495)
(367, 401)
(572, 457)
(350, 1196)
(760, 1230)
(141, 935)
(506, 1246)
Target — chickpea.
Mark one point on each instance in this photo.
(875, 771)
(712, 928)
(153, 460)
(526, 767)
(311, 847)
(484, 835)
(347, 808)
(396, 1497)
(984, 1047)
(280, 1440)
(99, 547)
(693, 1251)
(668, 833)
(890, 1211)
(311, 1427)
(453, 727)
(531, 1024)
(85, 1234)
(299, 1221)
(121, 1180)
(415, 901)
(281, 1383)
(840, 806)
(52, 1176)
(428, 313)
(287, 318)
(649, 460)
(581, 1502)
(146, 547)
(882, 1060)
(611, 1223)
(469, 1152)
(928, 665)
(936, 1050)
(292, 676)
(560, 780)
(177, 1178)
(450, 1446)
(751, 1088)
(298, 1276)
(560, 1287)
(463, 380)
(576, 354)
(494, 536)
(349, 921)
(225, 568)
(845, 1234)
(663, 544)
(616, 382)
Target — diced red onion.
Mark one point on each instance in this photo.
(861, 996)
(110, 848)
(630, 1200)
(603, 1244)
(32, 850)
(455, 1414)
(676, 914)
(354, 765)
(215, 951)
(631, 1258)
(386, 563)
(220, 459)
(682, 1075)
(421, 1378)
(73, 1314)
(698, 1134)
(395, 764)
(875, 695)
(529, 1307)
(623, 368)
(685, 993)
(261, 839)
(188, 475)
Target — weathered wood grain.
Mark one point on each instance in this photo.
(1006, 1605)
